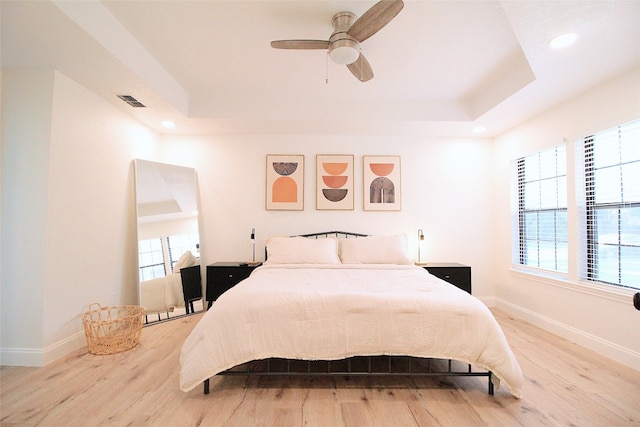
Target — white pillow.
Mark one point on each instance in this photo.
(300, 250)
(186, 260)
(375, 250)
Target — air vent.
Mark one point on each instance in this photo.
(132, 101)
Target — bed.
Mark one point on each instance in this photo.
(339, 298)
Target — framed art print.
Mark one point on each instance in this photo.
(285, 182)
(334, 182)
(382, 183)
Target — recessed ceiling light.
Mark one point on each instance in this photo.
(563, 40)
(479, 129)
(168, 124)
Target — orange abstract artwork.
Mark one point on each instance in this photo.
(285, 178)
(381, 169)
(285, 190)
(382, 182)
(334, 168)
(334, 182)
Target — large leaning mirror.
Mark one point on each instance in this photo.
(170, 283)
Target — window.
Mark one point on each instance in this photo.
(612, 206)
(540, 210)
(178, 244)
(151, 259)
(158, 256)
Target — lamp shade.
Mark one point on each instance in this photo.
(344, 51)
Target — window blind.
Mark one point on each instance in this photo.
(612, 206)
(540, 210)
(178, 244)
(159, 255)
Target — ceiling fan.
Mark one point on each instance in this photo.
(348, 33)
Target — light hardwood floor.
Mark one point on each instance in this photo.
(565, 385)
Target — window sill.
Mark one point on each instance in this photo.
(610, 292)
(538, 272)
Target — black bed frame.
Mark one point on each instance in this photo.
(354, 366)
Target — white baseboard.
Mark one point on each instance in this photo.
(488, 301)
(64, 347)
(606, 348)
(21, 357)
(38, 357)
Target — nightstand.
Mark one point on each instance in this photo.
(454, 273)
(222, 276)
(191, 286)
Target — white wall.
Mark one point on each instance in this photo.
(26, 119)
(599, 317)
(151, 230)
(445, 188)
(68, 213)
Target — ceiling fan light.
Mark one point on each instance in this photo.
(344, 51)
(563, 40)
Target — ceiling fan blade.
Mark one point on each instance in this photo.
(300, 44)
(361, 69)
(372, 21)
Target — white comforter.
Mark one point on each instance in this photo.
(330, 312)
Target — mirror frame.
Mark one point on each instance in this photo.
(166, 195)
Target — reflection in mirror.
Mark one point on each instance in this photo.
(170, 283)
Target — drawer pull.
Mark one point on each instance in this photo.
(230, 275)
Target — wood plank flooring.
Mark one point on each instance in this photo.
(565, 385)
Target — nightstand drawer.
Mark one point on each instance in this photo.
(456, 274)
(227, 277)
(222, 276)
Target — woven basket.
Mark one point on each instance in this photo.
(112, 329)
